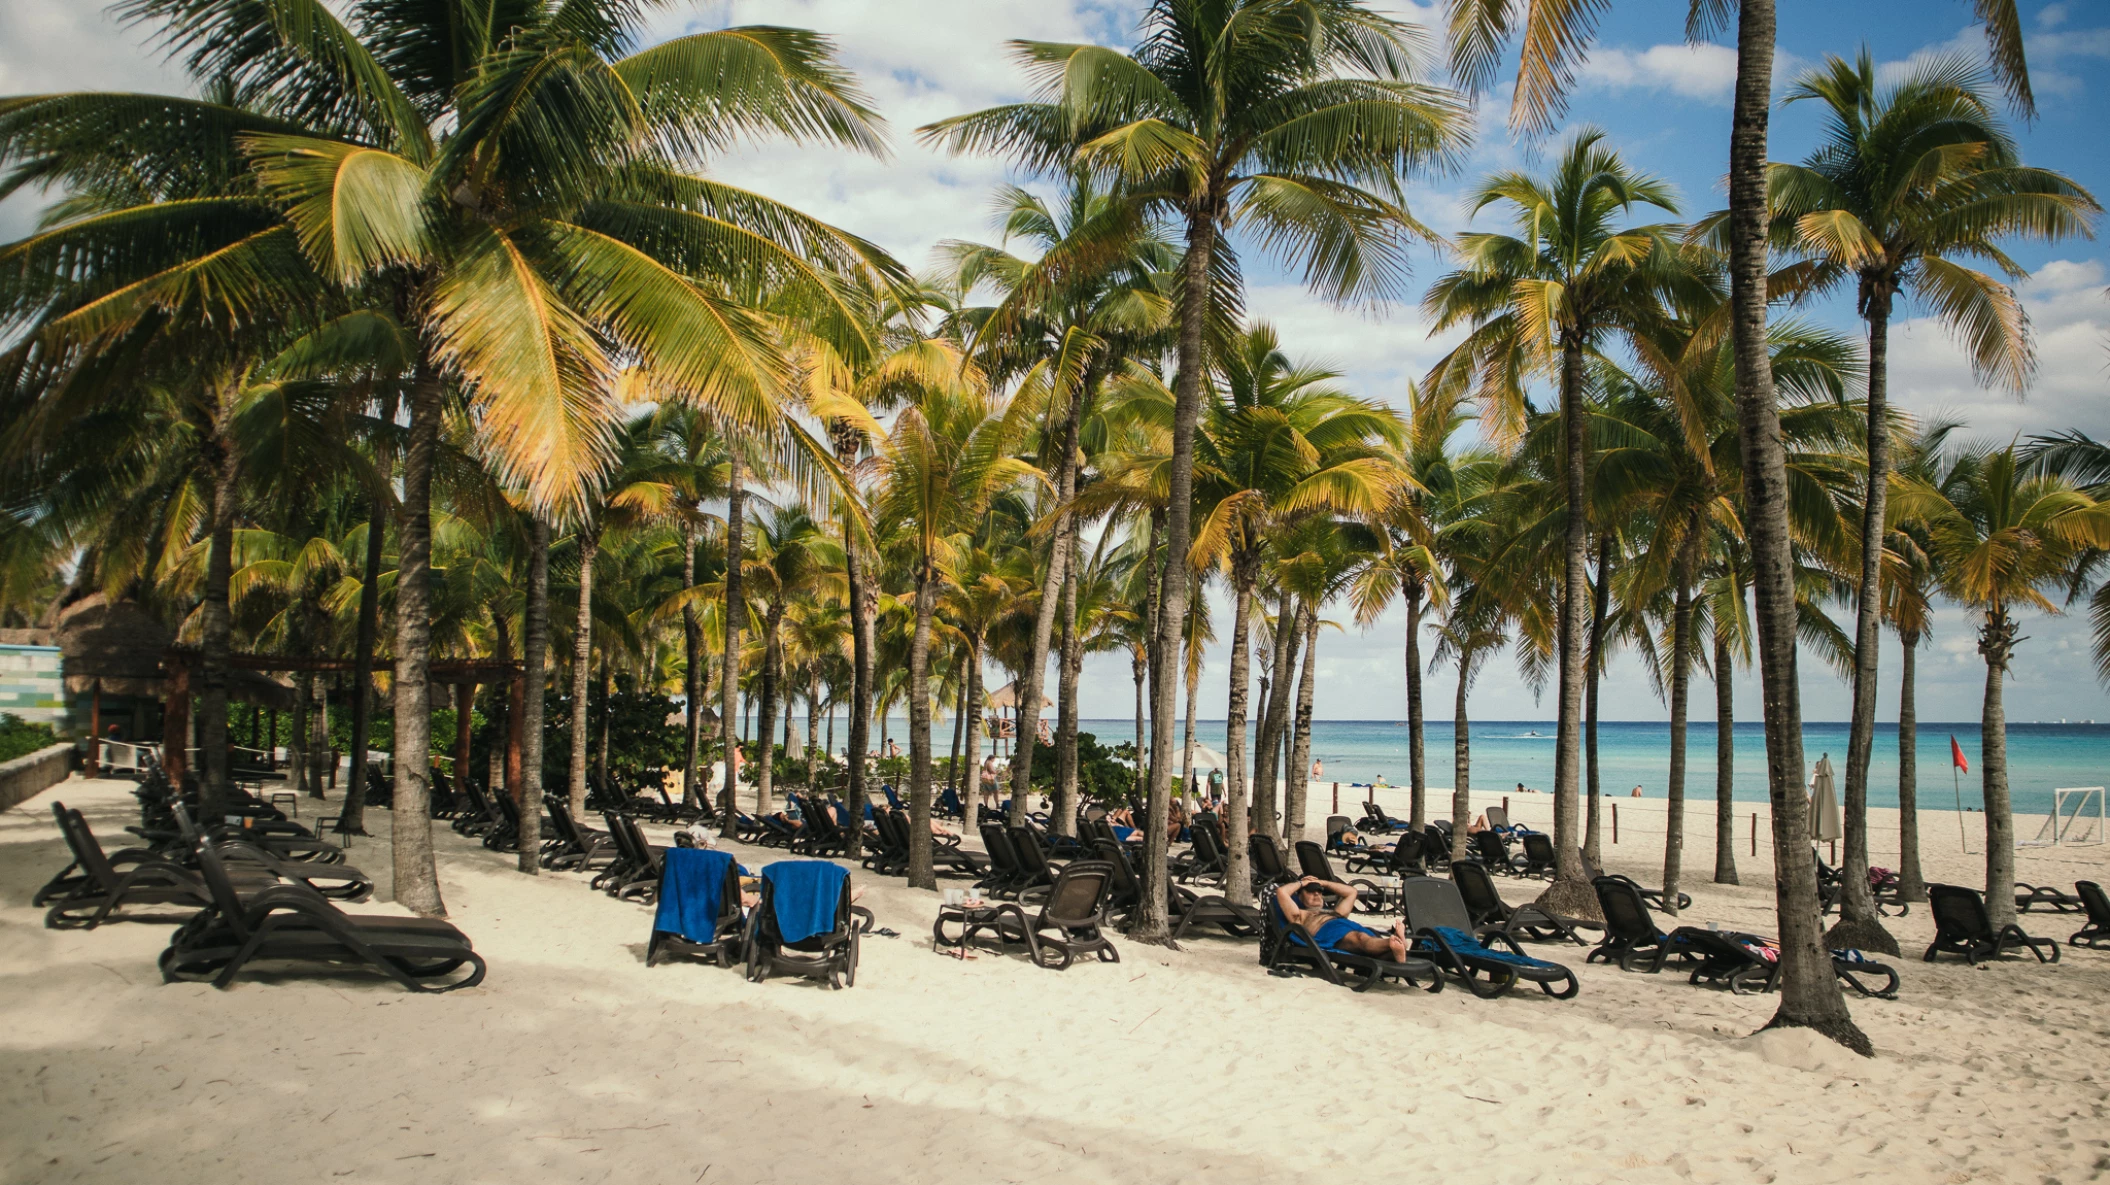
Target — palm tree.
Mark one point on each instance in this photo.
(946, 457)
(1293, 119)
(1909, 181)
(1541, 302)
(1555, 38)
(520, 187)
(2000, 535)
(1908, 596)
(792, 559)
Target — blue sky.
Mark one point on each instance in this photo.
(1663, 102)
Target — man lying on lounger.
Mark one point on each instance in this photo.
(1304, 904)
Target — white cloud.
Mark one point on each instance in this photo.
(1693, 71)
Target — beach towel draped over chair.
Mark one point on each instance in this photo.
(699, 906)
(811, 900)
(1443, 934)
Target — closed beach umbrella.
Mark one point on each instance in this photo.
(1824, 803)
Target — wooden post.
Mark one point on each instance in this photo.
(1505, 805)
(1754, 833)
(270, 747)
(464, 702)
(1615, 822)
(516, 702)
(175, 725)
(1336, 798)
(95, 729)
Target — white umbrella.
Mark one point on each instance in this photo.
(1207, 758)
(1824, 803)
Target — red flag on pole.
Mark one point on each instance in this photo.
(1956, 756)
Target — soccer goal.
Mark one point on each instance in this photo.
(2077, 817)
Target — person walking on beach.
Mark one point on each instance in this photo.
(989, 782)
(1318, 769)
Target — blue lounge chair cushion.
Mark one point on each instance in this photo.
(1458, 940)
(804, 894)
(691, 888)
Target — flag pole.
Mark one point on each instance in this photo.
(1956, 763)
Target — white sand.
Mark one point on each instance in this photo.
(573, 1062)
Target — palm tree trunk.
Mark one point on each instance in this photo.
(1193, 670)
(352, 821)
(1186, 414)
(1570, 892)
(1417, 755)
(1462, 762)
(921, 875)
(859, 727)
(1680, 696)
(1139, 668)
(1600, 607)
(971, 799)
(813, 737)
(959, 727)
(1239, 879)
(1300, 731)
(1035, 675)
(297, 744)
(1070, 666)
(1912, 884)
(1275, 723)
(317, 693)
(1809, 993)
(729, 675)
(416, 877)
(1724, 760)
(217, 620)
(600, 749)
(534, 656)
(692, 674)
(1858, 927)
(582, 669)
(765, 728)
(1996, 641)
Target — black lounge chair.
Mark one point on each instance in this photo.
(1493, 852)
(1962, 926)
(1370, 897)
(1652, 896)
(1183, 906)
(1747, 963)
(685, 923)
(1266, 860)
(634, 875)
(1443, 934)
(1540, 859)
(1488, 911)
(336, 881)
(1375, 819)
(279, 844)
(828, 954)
(1036, 875)
(2028, 897)
(1436, 845)
(1631, 933)
(294, 923)
(576, 848)
(1205, 861)
(1071, 922)
(947, 859)
(1284, 949)
(1004, 874)
(1498, 820)
(104, 887)
(2096, 934)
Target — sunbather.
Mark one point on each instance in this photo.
(1304, 905)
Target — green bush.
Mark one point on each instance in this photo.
(20, 738)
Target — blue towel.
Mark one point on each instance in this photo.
(804, 894)
(1122, 833)
(691, 891)
(893, 799)
(1465, 944)
(1332, 930)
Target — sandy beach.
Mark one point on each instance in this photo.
(574, 1062)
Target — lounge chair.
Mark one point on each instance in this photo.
(1652, 896)
(1071, 922)
(336, 881)
(1266, 861)
(1631, 933)
(102, 888)
(699, 907)
(2096, 934)
(1183, 907)
(947, 859)
(1436, 845)
(1036, 875)
(1498, 820)
(634, 876)
(1962, 926)
(1284, 948)
(1493, 851)
(1443, 934)
(1483, 902)
(1540, 860)
(1369, 896)
(1375, 819)
(804, 924)
(1204, 863)
(279, 844)
(576, 848)
(2028, 897)
(1747, 963)
(294, 923)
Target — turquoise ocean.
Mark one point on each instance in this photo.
(1630, 753)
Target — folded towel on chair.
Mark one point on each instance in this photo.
(691, 892)
(1459, 940)
(804, 894)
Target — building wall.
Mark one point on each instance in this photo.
(32, 686)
